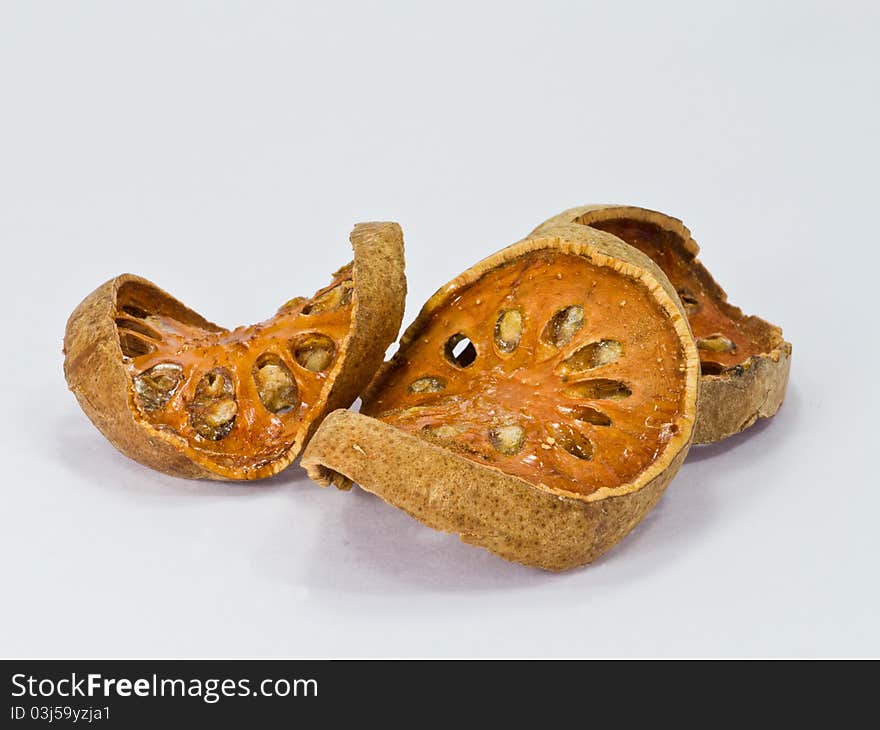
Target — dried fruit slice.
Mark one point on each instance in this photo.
(184, 396)
(544, 435)
(745, 360)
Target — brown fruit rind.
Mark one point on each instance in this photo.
(97, 374)
(730, 400)
(486, 507)
(525, 522)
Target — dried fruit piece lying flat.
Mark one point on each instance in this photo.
(538, 405)
(184, 396)
(745, 360)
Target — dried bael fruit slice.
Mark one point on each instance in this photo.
(538, 405)
(184, 396)
(745, 360)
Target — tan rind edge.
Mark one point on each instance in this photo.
(96, 374)
(486, 507)
(730, 404)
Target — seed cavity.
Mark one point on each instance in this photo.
(689, 299)
(134, 311)
(508, 439)
(276, 385)
(598, 389)
(716, 343)
(442, 432)
(585, 414)
(156, 386)
(135, 337)
(508, 330)
(460, 351)
(330, 300)
(428, 384)
(572, 441)
(313, 351)
(134, 344)
(594, 355)
(213, 408)
(563, 326)
(134, 325)
(710, 367)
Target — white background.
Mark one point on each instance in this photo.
(224, 151)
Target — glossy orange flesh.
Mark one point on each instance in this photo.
(257, 436)
(708, 312)
(593, 412)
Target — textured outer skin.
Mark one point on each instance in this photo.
(486, 507)
(729, 402)
(95, 372)
(512, 518)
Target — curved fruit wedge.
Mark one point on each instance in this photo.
(745, 360)
(538, 405)
(184, 396)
